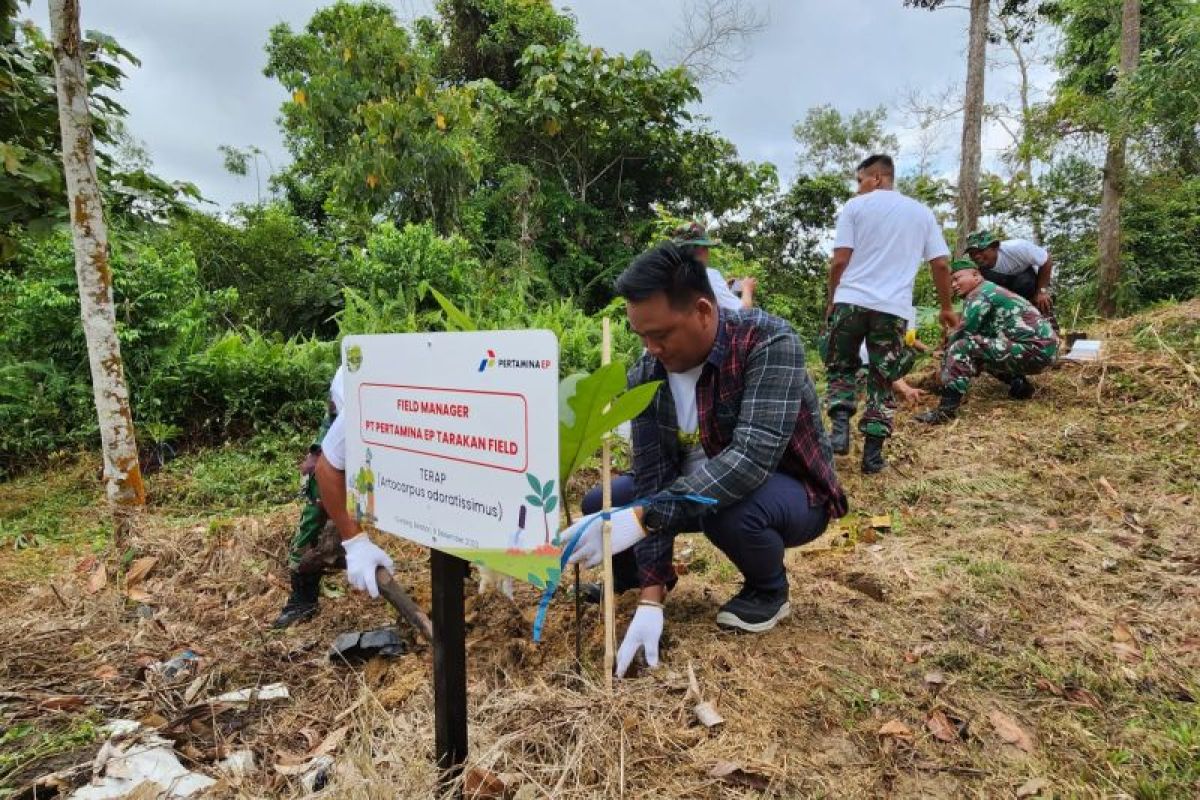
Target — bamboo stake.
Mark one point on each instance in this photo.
(578, 626)
(610, 640)
(578, 601)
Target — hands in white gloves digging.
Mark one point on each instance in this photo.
(645, 629)
(362, 557)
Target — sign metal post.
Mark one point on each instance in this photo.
(447, 574)
(452, 440)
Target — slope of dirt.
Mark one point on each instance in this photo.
(1011, 610)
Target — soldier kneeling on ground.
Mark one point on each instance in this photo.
(1001, 333)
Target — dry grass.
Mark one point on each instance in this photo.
(1044, 563)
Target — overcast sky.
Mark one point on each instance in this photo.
(201, 85)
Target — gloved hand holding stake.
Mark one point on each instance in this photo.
(627, 531)
(362, 557)
(645, 629)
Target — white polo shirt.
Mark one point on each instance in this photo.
(333, 446)
(890, 234)
(1018, 255)
(725, 296)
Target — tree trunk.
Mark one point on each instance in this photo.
(1025, 142)
(123, 476)
(1109, 267)
(972, 130)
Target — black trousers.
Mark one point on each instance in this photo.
(1023, 283)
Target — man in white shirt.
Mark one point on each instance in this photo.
(695, 239)
(362, 555)
(1018, 265)
(882, 238)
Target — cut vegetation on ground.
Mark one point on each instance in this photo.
(1010, 611)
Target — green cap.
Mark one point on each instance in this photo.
(959, 264)
(981, 239)
(693, 235)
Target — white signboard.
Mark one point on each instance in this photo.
(452, 442)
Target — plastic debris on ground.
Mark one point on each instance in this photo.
(1085, 350)
(358, 646)
(238, 764)
(134, 756)
(254, 694)
(318, 774)
(181, 664)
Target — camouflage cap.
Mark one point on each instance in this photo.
(981, 239)
(693, 235)
(959, 264)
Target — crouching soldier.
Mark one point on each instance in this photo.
(306, 576)
(1001, 334)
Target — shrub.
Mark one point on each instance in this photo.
(401, 259)
(285, 275)
(185, 371)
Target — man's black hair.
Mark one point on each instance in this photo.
(882, 161)
(666, 268)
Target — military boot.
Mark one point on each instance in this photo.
(947, 409)
(302, 603)
(1019, 388)
(839, 431)
(872, 459)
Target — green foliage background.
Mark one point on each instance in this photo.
(488, 152)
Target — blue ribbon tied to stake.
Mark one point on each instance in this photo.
(552, 586)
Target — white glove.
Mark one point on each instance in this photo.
(626, 532)
(362, 557)
(644, 631)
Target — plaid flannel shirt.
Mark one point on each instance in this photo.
(758, 414)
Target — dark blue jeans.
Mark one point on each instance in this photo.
(752, 534)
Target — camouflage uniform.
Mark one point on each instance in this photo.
(313, 516)
(888, 360)
(314, 549)
(1001, 334)
(904, 363)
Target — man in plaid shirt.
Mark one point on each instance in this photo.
(736, 420)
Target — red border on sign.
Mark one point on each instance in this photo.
(521, 397)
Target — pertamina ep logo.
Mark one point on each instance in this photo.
(491, 361)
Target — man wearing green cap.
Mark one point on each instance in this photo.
(1018, 265)
(695, 240)
(1001, 334)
